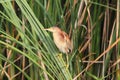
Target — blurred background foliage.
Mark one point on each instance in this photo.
(27, 51)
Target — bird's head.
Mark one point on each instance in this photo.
(53, 29)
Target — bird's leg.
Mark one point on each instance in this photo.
(67, 65)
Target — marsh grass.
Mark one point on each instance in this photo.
(27, 51)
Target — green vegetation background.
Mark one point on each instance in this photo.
(27, 51)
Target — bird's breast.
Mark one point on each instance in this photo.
(62, 43)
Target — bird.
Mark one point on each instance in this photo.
(61, 39)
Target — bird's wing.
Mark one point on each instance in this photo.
(68, 42)
(65, 36)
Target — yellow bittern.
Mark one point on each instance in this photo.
(62, 40)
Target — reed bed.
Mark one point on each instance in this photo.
(28, 52)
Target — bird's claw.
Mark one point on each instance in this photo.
(59, 55)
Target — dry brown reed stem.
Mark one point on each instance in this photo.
(108, 49)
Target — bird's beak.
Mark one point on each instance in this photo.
(49, 29)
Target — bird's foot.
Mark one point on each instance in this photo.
(59, 55)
